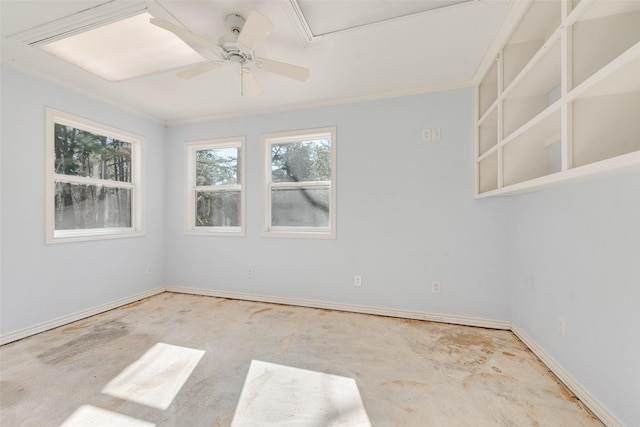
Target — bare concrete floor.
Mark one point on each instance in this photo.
(407, 373)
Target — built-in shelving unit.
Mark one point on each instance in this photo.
(561, 100)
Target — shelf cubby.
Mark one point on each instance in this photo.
(529, 37)
(535, 90)
(603, 8)
(619, 76)
(488, 90)
(568, 97)
(488, 173)
(488, 132)
(534, 153)
(598, 41)
(605, 126)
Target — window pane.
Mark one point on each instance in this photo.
(82, 153)
(301, 161)
(218, 209)
(300, 207)
(90, 206)
(218, 166)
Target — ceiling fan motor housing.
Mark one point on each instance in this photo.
(237, 47)
(229, 42)
(235, 23)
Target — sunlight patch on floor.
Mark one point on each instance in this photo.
(156, 377)
(285, 396)
(91, 416)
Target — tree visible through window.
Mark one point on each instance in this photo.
(301, 183)
(214, 187)
(80, 206)
(218, 206)
(300, 162)
(94, 179)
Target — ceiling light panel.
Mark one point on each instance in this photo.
(128, 48)
(332, 16)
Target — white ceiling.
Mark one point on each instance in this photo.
(429, 51)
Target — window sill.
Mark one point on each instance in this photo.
(214, 231)
(70, 236)
(299, 234)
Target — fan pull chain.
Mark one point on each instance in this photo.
(241, 80)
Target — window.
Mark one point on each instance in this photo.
(300, 183)
(94, 180)
(215, 197)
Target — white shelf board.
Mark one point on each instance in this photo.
(590, 9)
(578, 11)
(621, 165)
(539, 118)
(529, 28)
(488, 153)
(488, 172)
(545, 64)
(488, 133)
(622, 75)
(488, 113)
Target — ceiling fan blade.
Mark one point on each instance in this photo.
(256, 28)
(181, 32)
(250, 86)
(282, 68)
(189, 37)
(199, 69)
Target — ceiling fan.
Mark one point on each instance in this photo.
(236, 47)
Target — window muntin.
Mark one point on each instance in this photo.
(215, 197)
(94, 180)
(299, 189)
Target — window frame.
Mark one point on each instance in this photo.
(137, 187)
(268, 140)
(190, 150)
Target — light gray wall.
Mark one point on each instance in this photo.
(405, 214)
(577, 255)
(42, 282)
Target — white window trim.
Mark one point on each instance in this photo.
(190, 150)
(297, 232)
(136, 185)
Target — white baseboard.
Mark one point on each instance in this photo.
(576, 388)
(587, 398)
(418, 315)
(61, 321)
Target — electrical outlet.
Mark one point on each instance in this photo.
(431, 134)
(357, 280)
(435, 286)
(149, 268)
(249, 272)
(562, 326)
